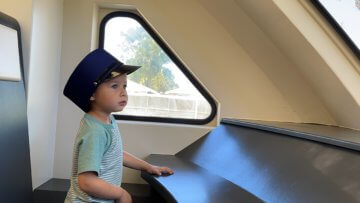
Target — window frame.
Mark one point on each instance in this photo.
(174, 59)
(12, 23)
(325, 13)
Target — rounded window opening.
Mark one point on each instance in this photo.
(161, 89)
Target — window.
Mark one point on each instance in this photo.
(162, 90)
(344, 16)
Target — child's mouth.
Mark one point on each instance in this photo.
(122, 103)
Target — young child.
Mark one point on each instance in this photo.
(98, 87)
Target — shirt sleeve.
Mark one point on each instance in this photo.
(91, 150)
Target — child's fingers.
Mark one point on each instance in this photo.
(167, 170)
(158, 171)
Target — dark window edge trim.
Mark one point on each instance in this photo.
(175, 59)
(325, 13)
(160, 119)
(294, 133)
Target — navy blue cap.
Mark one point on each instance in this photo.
(90, 73)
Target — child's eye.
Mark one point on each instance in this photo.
(125, 86)
(114, 86)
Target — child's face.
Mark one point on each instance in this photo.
(111, 95)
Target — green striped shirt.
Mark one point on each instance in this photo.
(98, 148)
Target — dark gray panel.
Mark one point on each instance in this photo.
(15, 171)
(191, 183)
(278, 168)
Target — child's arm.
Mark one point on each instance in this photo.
(135, 163)
(94, 186)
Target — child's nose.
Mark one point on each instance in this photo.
(123, 92)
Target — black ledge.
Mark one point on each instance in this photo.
(338, 136)
(192, 183)
(55, 190)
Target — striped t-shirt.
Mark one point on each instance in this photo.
(98, 148)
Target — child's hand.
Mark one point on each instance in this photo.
(157, 170)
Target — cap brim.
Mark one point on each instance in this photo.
(117, 70)
(128, 69)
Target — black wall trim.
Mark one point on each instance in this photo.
(338, 136)
(337, 27)
(175, 59)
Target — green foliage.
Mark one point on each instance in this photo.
(147, 53)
